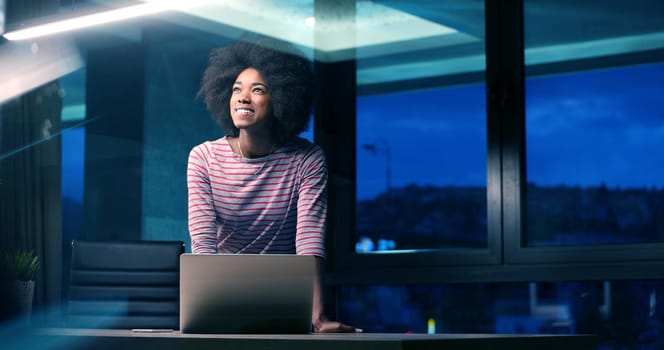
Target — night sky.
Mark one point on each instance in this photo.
(604, 126)
(587, 129)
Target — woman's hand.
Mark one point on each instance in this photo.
(334, 327)
(318, 319)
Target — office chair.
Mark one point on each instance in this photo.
(124, 284)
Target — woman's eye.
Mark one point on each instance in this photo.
(259, 91)
(236, 90)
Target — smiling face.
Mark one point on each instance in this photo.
(250, 100)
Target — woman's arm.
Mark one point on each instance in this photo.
(318, 319)
(310, 237)
(312, 203)
(202, 225)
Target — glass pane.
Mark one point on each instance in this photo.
(96, 125)
(623, 314)
(594, 123)
(73, 159)
(73, 148)
(421, 132)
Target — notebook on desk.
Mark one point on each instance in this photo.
(246, 293)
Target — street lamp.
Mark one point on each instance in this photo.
(381, 146)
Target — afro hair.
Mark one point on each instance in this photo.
(288, 75)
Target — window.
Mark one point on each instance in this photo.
(593, 123)
(421, 170)
(421, 138)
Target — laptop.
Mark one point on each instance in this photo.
(246, 293)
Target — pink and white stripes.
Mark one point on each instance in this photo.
(273, 204)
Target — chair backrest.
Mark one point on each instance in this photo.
(124, 284)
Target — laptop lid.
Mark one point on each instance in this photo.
(246, 293)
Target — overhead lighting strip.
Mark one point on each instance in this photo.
(98, 18)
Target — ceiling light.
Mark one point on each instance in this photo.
(97, 18)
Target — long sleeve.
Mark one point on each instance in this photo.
(312, 205)
(202, 225)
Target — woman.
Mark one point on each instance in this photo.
(260, 189)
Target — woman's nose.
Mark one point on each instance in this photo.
(243, 97)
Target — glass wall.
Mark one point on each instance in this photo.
(97, 125)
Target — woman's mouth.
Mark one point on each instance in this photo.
(244, 111)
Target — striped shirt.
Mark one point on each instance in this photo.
(275, 204)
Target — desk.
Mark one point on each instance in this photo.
(128, 340)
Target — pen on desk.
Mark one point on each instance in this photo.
(149, 330)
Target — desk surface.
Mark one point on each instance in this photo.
(128, 340)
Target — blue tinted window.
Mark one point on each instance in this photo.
(595, 172)
(421, 169)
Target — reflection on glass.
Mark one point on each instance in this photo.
(593, 123)
(623, 314)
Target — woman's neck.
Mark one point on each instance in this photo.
(253, 146)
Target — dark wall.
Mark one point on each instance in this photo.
(114, 143)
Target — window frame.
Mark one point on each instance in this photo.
(505, 259)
